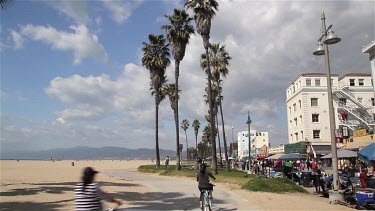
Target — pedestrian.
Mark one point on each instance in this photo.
(351, 170)
(317, 179)
(166, 162)
(314, 165)
(363, 177)
(88, 194)
(263, 167)
(308, 165)
(319, 164)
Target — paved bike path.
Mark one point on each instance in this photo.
(171, 193)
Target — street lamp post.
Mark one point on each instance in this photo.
(248, 122)
(329, 39)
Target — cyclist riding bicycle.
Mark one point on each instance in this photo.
(203, 179)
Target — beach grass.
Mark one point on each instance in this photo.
(236, 177)
(273, 185)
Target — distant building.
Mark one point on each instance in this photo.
(307, 108)
(258, 140)
(276, 150)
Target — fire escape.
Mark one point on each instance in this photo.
(357, 114)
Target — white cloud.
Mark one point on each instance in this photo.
(95, 98)
(121, 10)
(83, 43)
(76, 10)
(17, 39)
(61, 120)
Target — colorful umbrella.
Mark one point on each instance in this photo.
(368, 153)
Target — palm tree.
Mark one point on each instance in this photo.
(215, 95)
(169, 90)
(219, 61)
(218, 141)
(196, 125)
(4, 3)
(178, 35)
(204, 11)
(185, 125)
(156, 59)
(206, 139)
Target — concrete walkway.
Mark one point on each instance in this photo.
(171, 193)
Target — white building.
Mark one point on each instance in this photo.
(307, 107)
(276, 150)
(370, 49)
(258, 140)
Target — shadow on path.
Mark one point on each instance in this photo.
(55, 188)
(31, 206)
(164, 201)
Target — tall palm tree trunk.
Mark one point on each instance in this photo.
(157, 129)
(224, 137)
(187, 147)
(212, 123)
(176, 75)
(196, 143)
(218, 140)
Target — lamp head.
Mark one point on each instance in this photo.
(319, 50)
(331, 38)
(248, 119)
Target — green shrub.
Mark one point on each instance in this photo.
(273, 185)
(246, 181)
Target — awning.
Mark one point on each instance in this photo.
(358, 144)
(275, 157)
(342, 153)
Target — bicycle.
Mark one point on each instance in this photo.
(206, 203)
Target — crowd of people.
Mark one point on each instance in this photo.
(352, 168)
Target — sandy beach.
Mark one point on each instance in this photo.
(47, 185)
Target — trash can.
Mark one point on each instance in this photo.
(306, 179)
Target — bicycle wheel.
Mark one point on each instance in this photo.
(206, 201)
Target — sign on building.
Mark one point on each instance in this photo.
(360, 132)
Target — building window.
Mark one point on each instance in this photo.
(290, 110)
(295, 121)
(315, 118)
(317, 82)
(294, 107)
(314, 101)
(300, 118)
(361, 82)
(296, 136)
(300, 104)
(301, 135)
(316, 134)
(372, 101)
(308, 82)
(351, 82)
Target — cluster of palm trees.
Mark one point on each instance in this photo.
(155, 58)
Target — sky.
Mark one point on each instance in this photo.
(71, 72)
